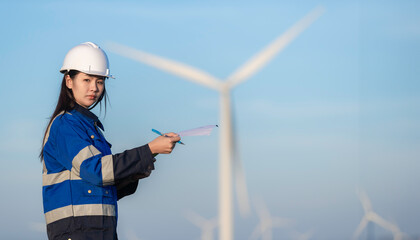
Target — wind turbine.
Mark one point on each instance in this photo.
(371, 216)
(267, 223)
(206, 226)
(224, 88)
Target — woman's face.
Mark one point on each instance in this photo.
(86, 88)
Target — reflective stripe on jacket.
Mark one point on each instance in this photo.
(82, 180)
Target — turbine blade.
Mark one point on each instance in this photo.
(268, 222)
(205, 225)
(257, 231)
(196, 219)
(384, 223)
(262, 209)
(360, 228)
(239, 173)
(263, 57)
(364, 199)
(179, 69)
(399, 236)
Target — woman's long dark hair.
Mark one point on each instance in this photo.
(66, 103)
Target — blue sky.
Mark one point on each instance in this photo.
(337, 109)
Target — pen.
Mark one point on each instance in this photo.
(157, 132)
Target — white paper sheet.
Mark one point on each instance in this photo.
(200, 131)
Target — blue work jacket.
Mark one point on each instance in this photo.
(82, 180)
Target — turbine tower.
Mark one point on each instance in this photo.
(224, 88)
(371, 216)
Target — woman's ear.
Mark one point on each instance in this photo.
(69, 82)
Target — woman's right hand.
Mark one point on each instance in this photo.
(164, 144)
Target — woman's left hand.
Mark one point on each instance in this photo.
(164, 144)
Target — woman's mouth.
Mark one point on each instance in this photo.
(91, 97)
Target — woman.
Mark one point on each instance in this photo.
(82, 179)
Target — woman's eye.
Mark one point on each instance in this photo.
(101, 82)
(86, 80)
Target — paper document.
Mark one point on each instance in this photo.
(200, 131)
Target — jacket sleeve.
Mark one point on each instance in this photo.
(126, 187)
(76, 153)
(128, 172)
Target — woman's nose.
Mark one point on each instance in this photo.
(94, 86)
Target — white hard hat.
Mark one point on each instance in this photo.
(88, 58)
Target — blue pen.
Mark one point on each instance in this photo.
(157, 132)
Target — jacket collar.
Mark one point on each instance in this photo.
(91, 116)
